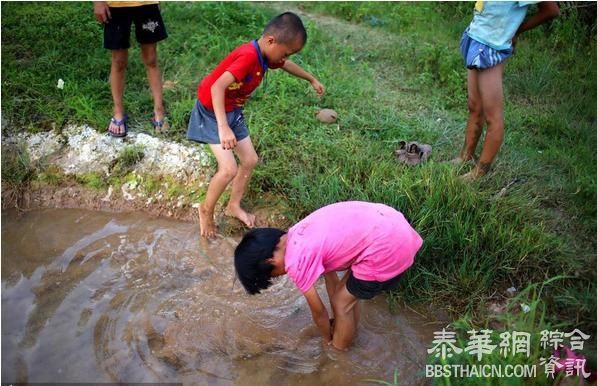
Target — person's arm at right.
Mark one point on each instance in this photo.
(319, 314)
(547, 11)
(101, 11)
(218, 90)
(296, 70)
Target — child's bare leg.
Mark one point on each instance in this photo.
(226, 171)
(474, 124)
(117, 81)
(492, 98)
(344, 305)
(149, 55)
(357, 313)
(248, 160)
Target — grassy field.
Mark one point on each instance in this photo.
(393, 72)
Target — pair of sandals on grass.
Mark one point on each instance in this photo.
(120, 128)
(412, 153)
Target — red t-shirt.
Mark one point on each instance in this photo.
(247, 66)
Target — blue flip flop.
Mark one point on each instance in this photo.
(159, 126)
(119, 123)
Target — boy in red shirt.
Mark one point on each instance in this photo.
(217, 118)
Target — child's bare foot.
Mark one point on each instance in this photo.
(236, 211)
(477, 172)
(206, 222)
(459, 161)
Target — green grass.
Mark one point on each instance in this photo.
(127, 159)
(17, 169)
(513, 320)
(52, 176)
(18, 173)
(393, 72)
(92, 180)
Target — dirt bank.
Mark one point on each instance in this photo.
(183, 168)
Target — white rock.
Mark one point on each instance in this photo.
(41, 145)
(81, 149)
(127, 196)
(109, 195)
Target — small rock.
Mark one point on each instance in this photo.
(168, 84)
(127, 196)
(497, 308)
(327, 116)
(109, 195)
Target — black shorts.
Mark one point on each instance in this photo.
(363, 289)
(149, 26)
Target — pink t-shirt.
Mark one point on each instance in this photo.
(374, 240)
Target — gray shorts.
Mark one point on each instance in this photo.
(203, 126)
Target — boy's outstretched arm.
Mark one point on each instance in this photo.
(296, 70)
(547, 11)
(319, 314)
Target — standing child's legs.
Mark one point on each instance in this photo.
(346, 315)
(332, 285)
(228, 172)
(248, 160)
(474, 124)
(227, 169)
(149, 56)
(492, 99)
(117, 81)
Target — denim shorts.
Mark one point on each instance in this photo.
(203, 126)
(478, 56)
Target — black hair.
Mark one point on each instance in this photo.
(286, 27)
(251, 255)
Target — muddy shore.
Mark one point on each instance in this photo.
(81, 150)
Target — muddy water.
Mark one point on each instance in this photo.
(103, 297)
